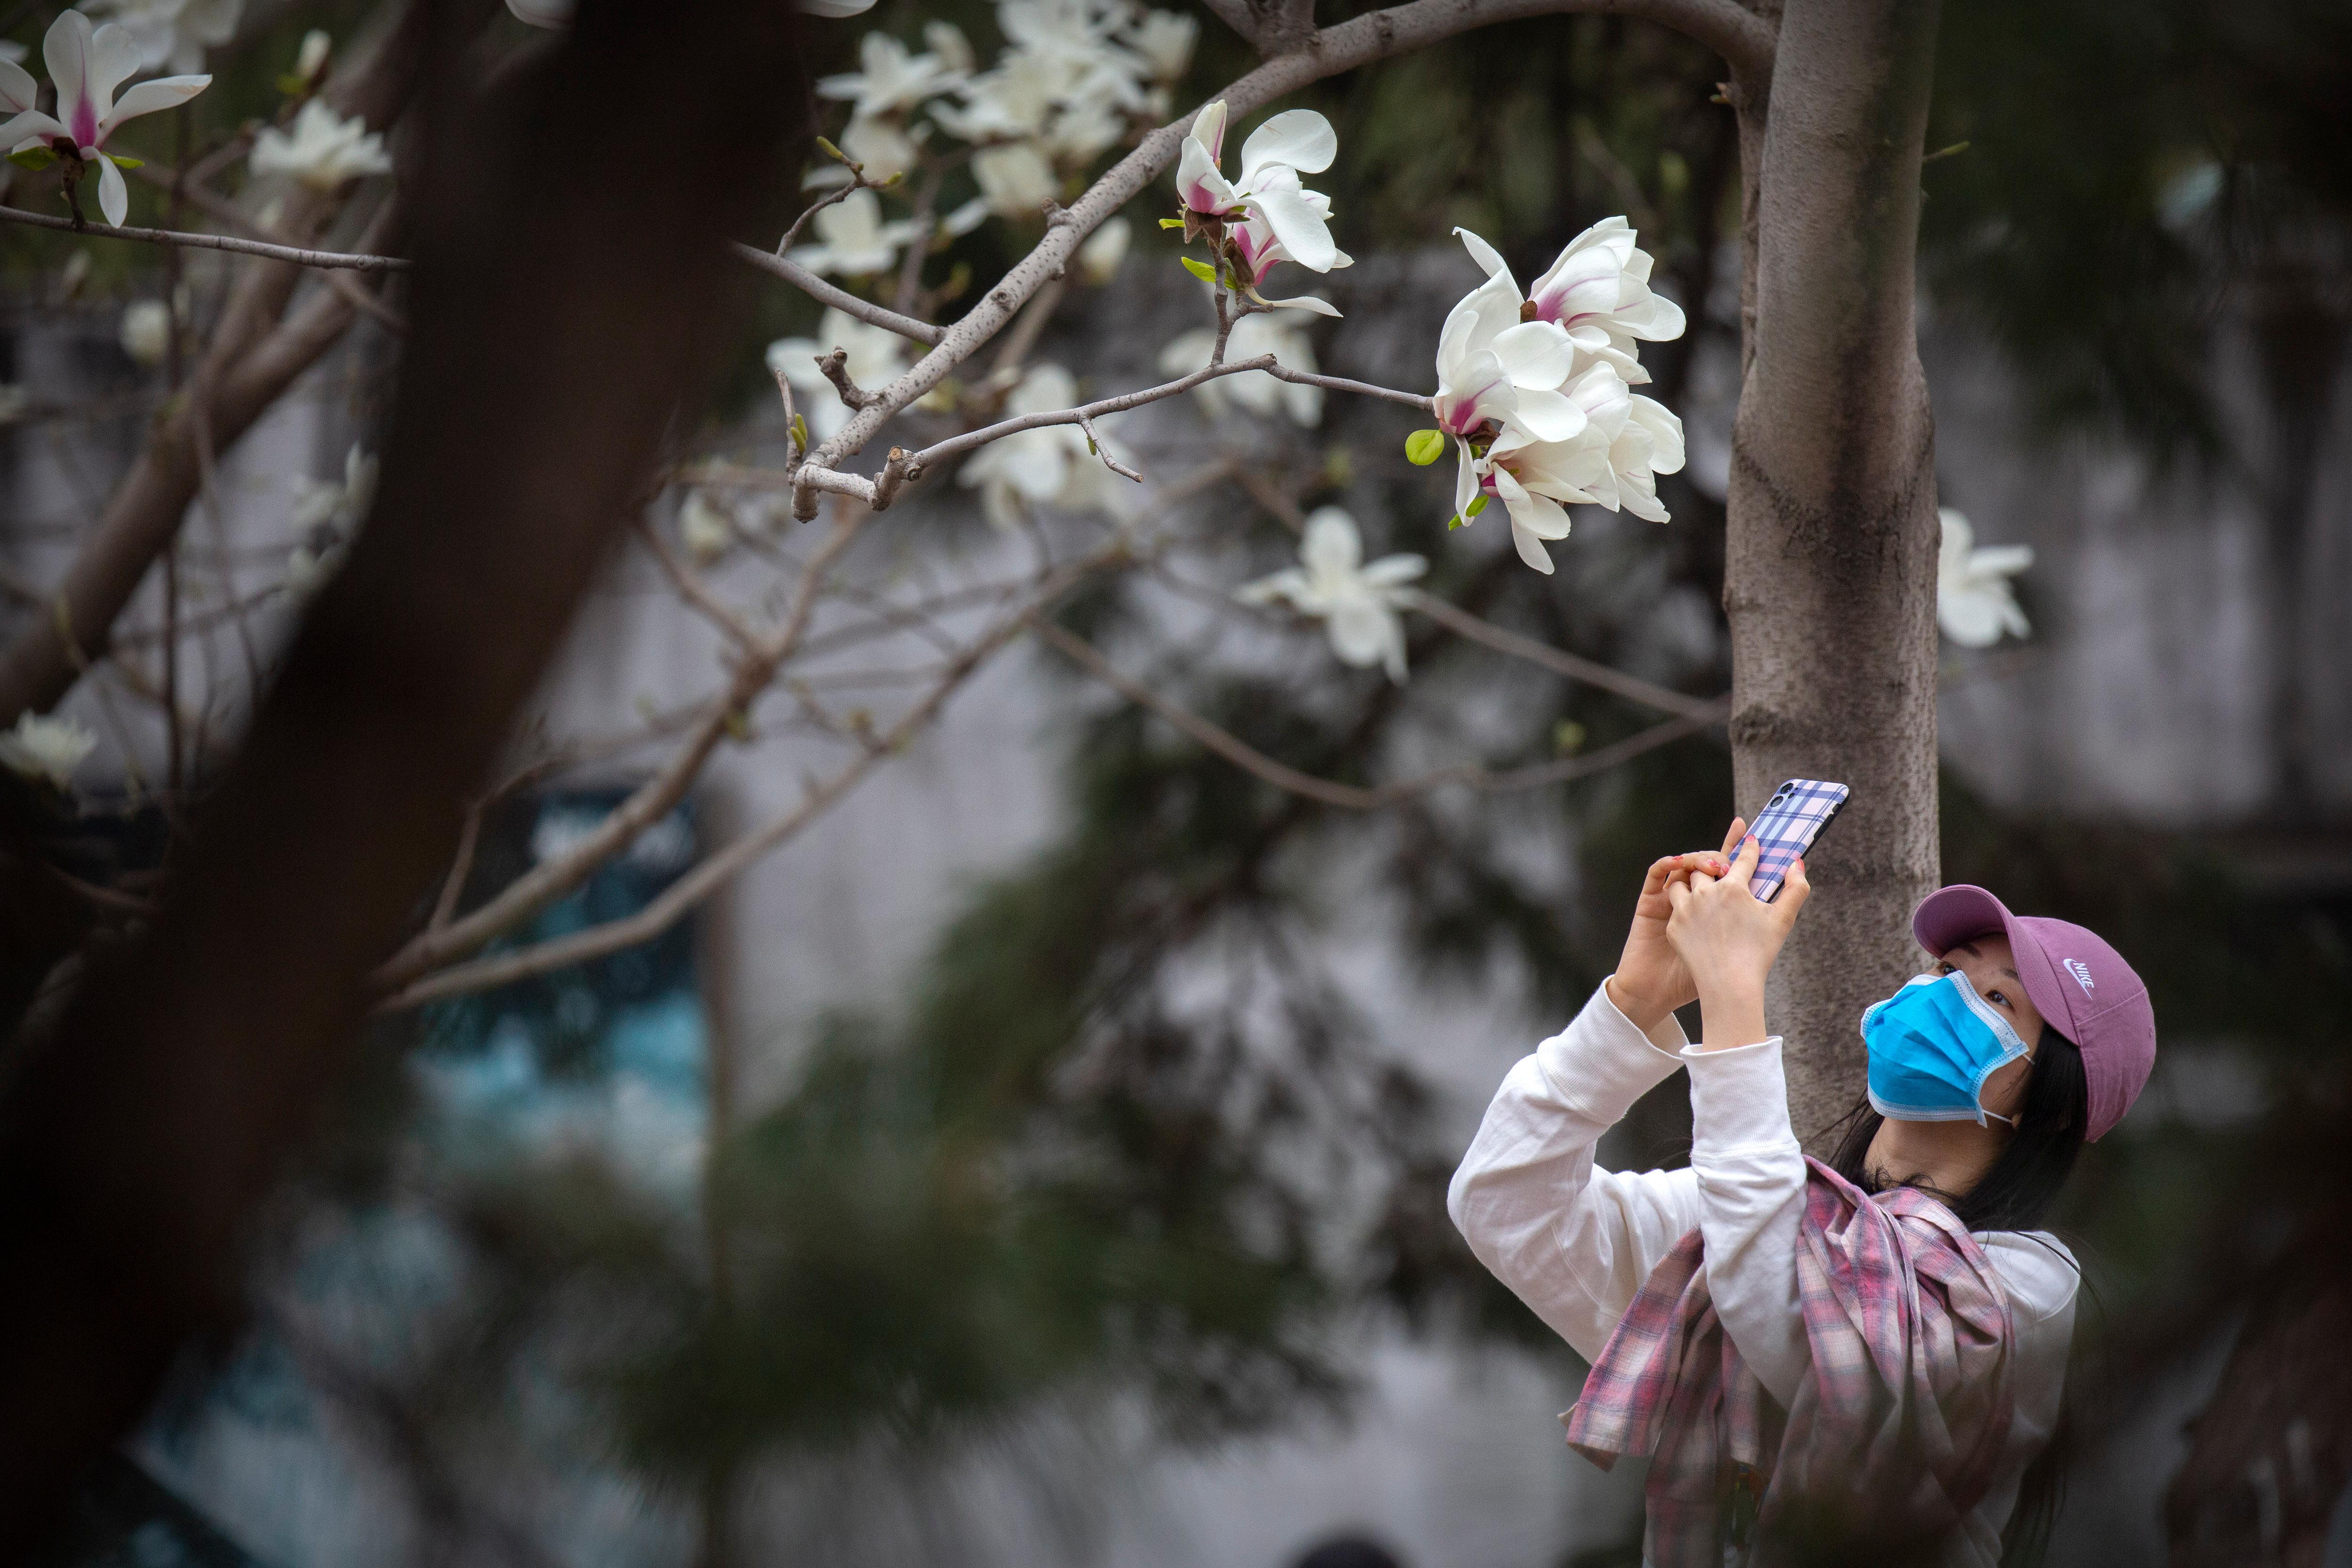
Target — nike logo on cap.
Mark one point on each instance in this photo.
(2082, 973)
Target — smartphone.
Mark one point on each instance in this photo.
(1788, 826)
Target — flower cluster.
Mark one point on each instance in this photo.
(1535, 390)
(1074, 80)
(87, 64)
(1266, 215)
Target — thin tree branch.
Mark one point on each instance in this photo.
(824, 293)
(1355, 797)
(461, 866)
(694, 590)
(1633, 688)
(709, 875)
(347, 260)
(551, 879)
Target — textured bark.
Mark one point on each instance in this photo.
(1830, 575)
(572, 295)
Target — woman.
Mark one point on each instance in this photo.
(2028, 1037)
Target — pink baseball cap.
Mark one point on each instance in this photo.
(2078, 983)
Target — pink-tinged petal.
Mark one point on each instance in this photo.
(1530, 545)
(1297, 138)
(1209, 131)
(1548, 415)
(1465, 478)
(31, 128)
(1535, 353)
(18, 90)
(150, 97)
(66, 49)
(1297, 226)
(1479, 392)
(113, 195)
(1199, 186)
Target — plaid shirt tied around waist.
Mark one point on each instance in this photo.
(1897, 1432)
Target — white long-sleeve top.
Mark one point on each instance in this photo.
(1576, 1242)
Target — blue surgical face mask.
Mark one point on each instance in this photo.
(1932, 1045)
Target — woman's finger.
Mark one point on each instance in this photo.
(1731, 839)
(1678, 894)
(1794, 891)
(1743, 865)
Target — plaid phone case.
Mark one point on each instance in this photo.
(1787, 828)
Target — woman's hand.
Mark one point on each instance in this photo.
(1727, 940)
(1651, 980)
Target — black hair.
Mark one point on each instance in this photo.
(2014, 1193)
(2027, 1175)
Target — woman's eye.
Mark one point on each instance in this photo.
(1997, 996)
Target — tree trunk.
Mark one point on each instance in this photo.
(1831, 556)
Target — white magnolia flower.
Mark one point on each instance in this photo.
(882, 147)
(87, 64)
(852, 238)
(1295, 141)
(1080, 131)
(1049, 466)
(1974, 601)
(948, 43)
(146, 333)
(875, 356)
(1537, 481)
(1252, 390)
(1099, 256)
(1598, 291)
(41, 747)
(1017, 179)
(1262, 250)
(173, 35)
(324, 151)
(890, 79)
(1164, 40)
(1496, 372)
(1356, 602)
(1011, 100)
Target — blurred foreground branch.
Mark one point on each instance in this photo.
(136, 1140)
